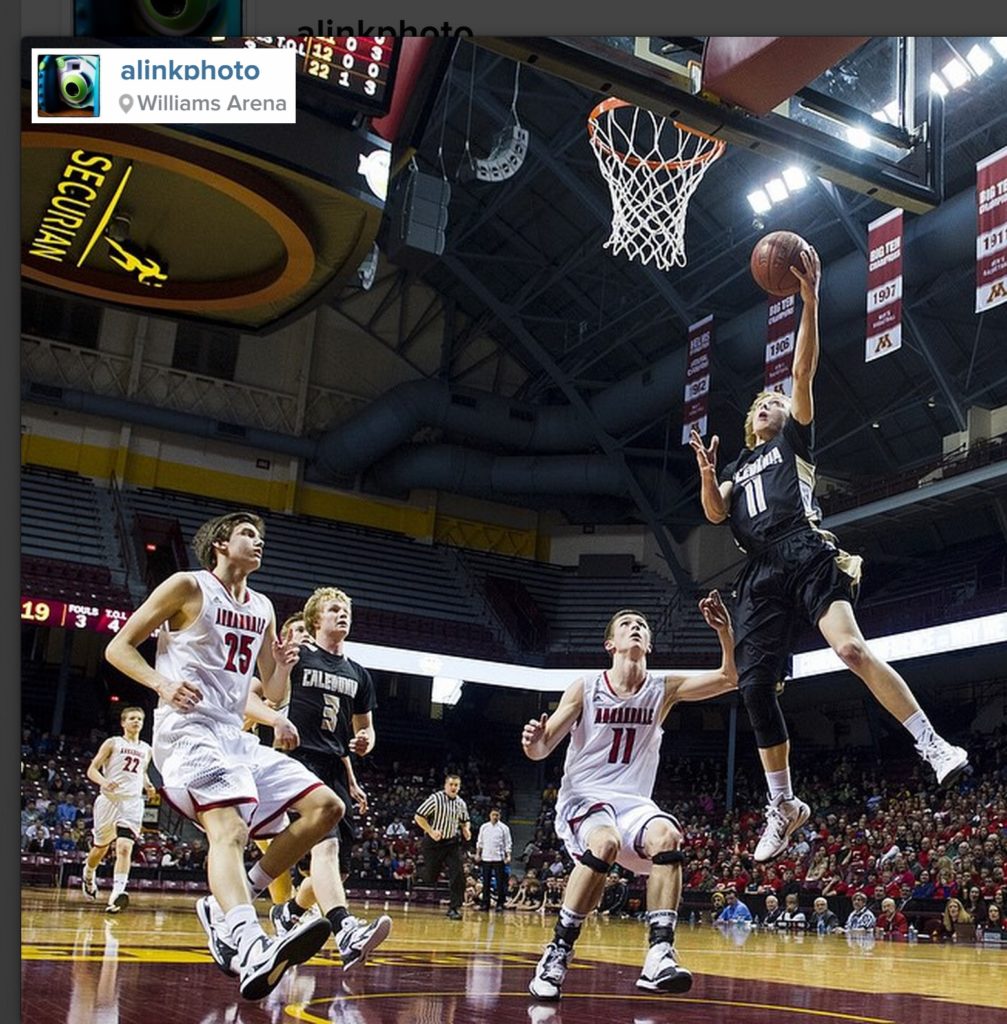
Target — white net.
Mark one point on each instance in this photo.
(652, 166)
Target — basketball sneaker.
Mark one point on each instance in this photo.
(550, 972)
(89, 886)
(211, 917)
(662, 972)
(947, 761)
(782, 818)
(282, 918)
(356, 939)
(263, 962)
(118, 903)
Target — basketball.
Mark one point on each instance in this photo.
(773, 256)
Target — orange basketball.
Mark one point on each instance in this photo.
(773, 256)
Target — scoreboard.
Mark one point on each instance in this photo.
(45, 611)
(357, 72)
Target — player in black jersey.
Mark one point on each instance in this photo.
(331, 704)
(795, 570)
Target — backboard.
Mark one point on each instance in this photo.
(881, 88)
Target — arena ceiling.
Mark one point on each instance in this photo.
(524, 258)
(530, 310)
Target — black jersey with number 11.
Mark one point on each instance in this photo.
(774, 488)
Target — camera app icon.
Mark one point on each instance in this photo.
(157, 17)
(68, 85)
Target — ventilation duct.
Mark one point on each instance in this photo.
(935, 243)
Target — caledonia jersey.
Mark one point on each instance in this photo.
(126, 766)
(616, 743)
(774, 488)
(217, 652)
(326, 691)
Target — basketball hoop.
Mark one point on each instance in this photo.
(652, 166)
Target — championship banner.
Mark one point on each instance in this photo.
(697, 377)
(782, 333)
(884, 286)
(991, 241)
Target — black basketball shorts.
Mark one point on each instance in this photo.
(330, 769)
(792, 582)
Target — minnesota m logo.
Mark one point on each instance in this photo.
(993, 296)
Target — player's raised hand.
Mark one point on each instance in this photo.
(706, 458)
(715, 611)
(533, 732)
(286, 652)
(809, 273)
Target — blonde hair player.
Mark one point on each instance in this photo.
(119, 769)
(604, 811)
(330, 700)
(795, 571)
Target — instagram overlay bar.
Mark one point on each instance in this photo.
(159, 85)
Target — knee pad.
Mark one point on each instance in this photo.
(589, 860)
(668, 857)
(765, 714)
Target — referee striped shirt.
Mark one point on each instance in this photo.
(446, 814)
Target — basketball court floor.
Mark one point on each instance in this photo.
(150, 965)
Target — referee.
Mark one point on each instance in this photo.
(444, 819)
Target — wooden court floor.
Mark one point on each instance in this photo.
(150, 965)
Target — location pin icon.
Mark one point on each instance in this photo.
(125, 101)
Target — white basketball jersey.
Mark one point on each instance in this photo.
(126, 766)
(217, 652)
(615, 745)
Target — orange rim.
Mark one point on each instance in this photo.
(611, 103)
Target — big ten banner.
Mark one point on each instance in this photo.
(884, 285)
(991, 241)
(782, 328)
(697, 377)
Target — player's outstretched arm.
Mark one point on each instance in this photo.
(806, 348)
(541, 736)
(703, 685)
(714, 497)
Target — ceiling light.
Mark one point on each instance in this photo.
(795, 178)
(955, 72)
(876, 425)
(938, 85)
(999, 43)
(858, 137)
(777, 190)
(979, 60)
(759, 201)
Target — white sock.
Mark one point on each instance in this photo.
(119, 884)
(258, 879)
(918, 725)
(242, 925)
(779, 784)
(663, 918)
(570, 919)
